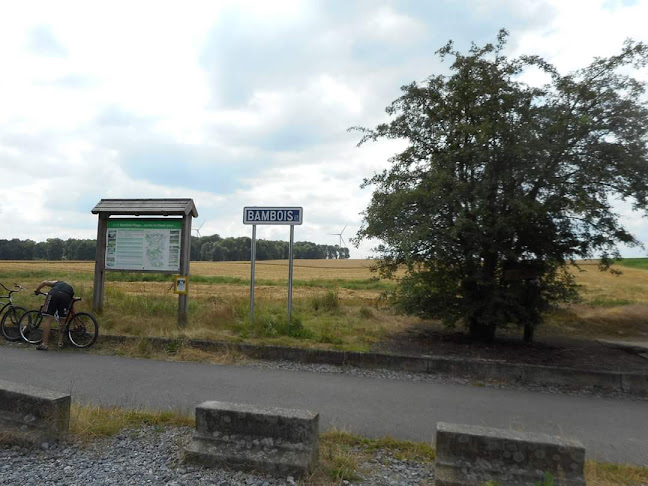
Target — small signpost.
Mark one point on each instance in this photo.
(272, 215)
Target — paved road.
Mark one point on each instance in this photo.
(612, 429)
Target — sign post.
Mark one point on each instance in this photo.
(252, 265)
(272, 215)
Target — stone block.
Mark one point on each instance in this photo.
(275, 441)
(31, 414)
(470, 456)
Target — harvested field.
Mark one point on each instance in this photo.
(265, 270)
(336, 302)
(278, 269)
(606, 289)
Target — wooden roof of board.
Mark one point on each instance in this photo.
(137, 207)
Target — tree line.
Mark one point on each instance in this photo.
(205, 248)
(215, 248)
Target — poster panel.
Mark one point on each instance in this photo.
(141, 244)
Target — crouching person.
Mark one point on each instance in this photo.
(56, 307)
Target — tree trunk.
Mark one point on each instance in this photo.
(529, 329)
(480, 331)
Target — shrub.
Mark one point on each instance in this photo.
(328, 302)
(273, 323)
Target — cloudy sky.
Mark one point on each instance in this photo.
(241, 103)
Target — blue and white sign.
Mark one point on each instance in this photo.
(272, 215)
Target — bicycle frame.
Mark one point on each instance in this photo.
(5, 305)
(8, 297)
(70, 315)
(81, 328)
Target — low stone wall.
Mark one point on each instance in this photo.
(276, 441)
(623, 382)
(468, 455)
(30, 414)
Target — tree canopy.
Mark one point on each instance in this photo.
(503, 183)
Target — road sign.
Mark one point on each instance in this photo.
(272, 215)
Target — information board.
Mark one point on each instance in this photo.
(143, 245)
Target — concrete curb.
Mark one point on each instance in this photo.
(477, 369)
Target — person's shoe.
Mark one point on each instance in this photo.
(41, 347)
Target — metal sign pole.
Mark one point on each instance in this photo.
(254, 215)
(253, 262)
(290, 270)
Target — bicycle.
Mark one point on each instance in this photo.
(11, 318)
(81, 328)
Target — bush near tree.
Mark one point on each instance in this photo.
(503, 183)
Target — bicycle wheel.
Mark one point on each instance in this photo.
(30, 327)
(11, 323)
(83, 330)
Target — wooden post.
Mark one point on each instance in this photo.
(100, 264)
(185, 257)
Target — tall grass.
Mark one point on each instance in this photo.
(328, 302)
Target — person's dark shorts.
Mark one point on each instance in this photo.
(57, 304)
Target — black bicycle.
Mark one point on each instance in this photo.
(81, 328)
(11, 314)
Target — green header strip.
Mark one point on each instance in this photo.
(144, 224)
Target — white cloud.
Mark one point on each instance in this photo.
(236, 103)
(387, 25)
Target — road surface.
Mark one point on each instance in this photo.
(614, 430)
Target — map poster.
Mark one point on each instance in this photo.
(143, 244)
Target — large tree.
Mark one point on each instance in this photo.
(503, 183)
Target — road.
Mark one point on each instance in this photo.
(614, 430)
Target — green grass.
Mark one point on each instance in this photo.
(640, 263)
(320, 320)
(608, 303)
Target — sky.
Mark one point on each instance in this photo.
(242, 103)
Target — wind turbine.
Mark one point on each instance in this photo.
(197, 230)
(340, 235)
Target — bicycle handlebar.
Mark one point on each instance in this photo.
(17, 289)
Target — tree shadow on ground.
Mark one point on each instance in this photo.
(431, 340)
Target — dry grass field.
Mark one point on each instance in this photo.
(612, 305)
(276, 270)
(337, 302)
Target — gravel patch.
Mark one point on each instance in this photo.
(153, 456)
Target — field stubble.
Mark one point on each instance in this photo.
(612, 306)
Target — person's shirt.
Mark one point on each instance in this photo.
(63, 287)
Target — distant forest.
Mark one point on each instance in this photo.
(205, 248)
